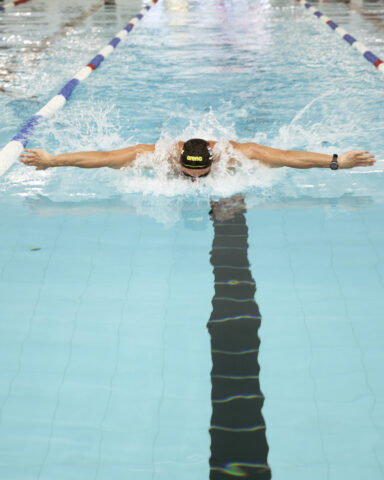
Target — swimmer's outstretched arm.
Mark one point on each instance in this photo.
(41, 159)
(274, 157)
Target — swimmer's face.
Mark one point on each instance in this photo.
(194, 174)
(195, 158)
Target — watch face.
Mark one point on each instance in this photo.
(334, 165)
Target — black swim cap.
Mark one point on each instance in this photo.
(196, 154)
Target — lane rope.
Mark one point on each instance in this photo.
(13, 149)
(10, 5)
(364, 50)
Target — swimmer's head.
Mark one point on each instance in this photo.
(196, 158)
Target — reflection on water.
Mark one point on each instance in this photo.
(238, 438)
(191, 211)
(177, 11)
(371, 10)
(32, 52)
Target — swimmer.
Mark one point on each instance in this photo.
(195, 158)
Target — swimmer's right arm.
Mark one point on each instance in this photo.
(41, 159)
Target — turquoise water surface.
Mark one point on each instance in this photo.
(107, 277)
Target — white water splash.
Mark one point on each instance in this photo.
(154, 177)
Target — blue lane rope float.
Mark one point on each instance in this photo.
(13, 149)
(9, 5)
(367, 54)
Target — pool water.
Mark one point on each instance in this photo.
(108, 279)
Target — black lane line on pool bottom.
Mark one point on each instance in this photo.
(238, 433)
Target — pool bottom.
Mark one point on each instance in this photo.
(106, 361)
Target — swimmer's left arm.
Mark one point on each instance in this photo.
(273, 157)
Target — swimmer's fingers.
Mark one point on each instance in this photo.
(356, 159)
(25, 157)
(27, 161)
(365, 159)
(33, 163)
(365, 163)
(28, 156)
(31, 152)
(35, 152)
(35, 157)
(364, 155)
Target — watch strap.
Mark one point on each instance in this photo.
(334, 165)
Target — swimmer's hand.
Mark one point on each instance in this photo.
(34, 157)
(356, 159)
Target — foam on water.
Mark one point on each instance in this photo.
(244, 87)
(335, 120)
(100, 129)
(152, 174)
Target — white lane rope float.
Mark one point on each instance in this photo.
(9, 5)
(367, 54)
(13, 149)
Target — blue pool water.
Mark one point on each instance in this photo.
(107, 277)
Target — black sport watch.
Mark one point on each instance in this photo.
(334, 164)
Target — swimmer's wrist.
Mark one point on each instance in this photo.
(45, 159)
(343, 161)
(61, 160)
(52, 162)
